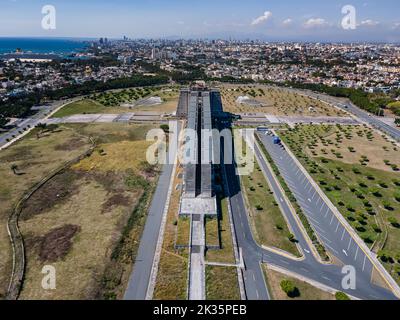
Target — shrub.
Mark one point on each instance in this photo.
(376, 192)
(384, 256)
(393, 221)
(387, 205)
(289, 288)
(341, 296)
(383, 185)
(376, 228)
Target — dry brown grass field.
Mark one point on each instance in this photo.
(76, 220)
(276, 101)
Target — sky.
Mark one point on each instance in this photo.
(268, 20)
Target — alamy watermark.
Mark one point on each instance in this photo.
(49, 18)
(209, 147)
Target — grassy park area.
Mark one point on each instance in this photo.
(302, 290)
(276, 101)
(173, 268)
(92, 260)
(121, 101)
(222, 283)
(269, 225)
(362, 185)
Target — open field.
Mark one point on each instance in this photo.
(356, 144)
(305, 290)
(92, 260)
(275, 101)
(34, 158)
(368, 198)
(122, 101)
(173, 267)
(212, 231)
(269, 225)
(85, 106)
(222, 283)
(225, 254)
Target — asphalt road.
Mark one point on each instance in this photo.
(330, 231)
(361, 114)
(140, 277)
(31, 122)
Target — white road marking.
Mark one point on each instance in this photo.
(348, 247)
(325, 238)
(355, 257)
(319, 228)
(365, 257)
(315, 192)
(331, 249)
(344, 230)
(315, 221)
(337, 227)
(344, 251)
(332, 219)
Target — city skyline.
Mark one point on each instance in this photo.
(262, 20)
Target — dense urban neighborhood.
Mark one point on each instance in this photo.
(258, 161)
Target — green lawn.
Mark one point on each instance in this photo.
(270, 226)
(80, 107)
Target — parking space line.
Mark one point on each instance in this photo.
(348, 247)
(355, 257)
(337, 227)
(344, 230)
(332, 219)
(365, 257)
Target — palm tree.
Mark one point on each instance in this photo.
(14, 168)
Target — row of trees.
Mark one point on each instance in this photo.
(20, 106)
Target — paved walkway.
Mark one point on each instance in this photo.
(197, 263)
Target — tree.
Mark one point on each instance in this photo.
(165, 128)
(290, 289)
(291, 237)
(42, 127)
(341, 296)
(397, 122)
(14, 168)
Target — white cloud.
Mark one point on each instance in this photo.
(287, 22)
(369, 23)
(315, 22)
(396, 25)
(262, 19)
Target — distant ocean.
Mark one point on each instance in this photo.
(42, 45)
